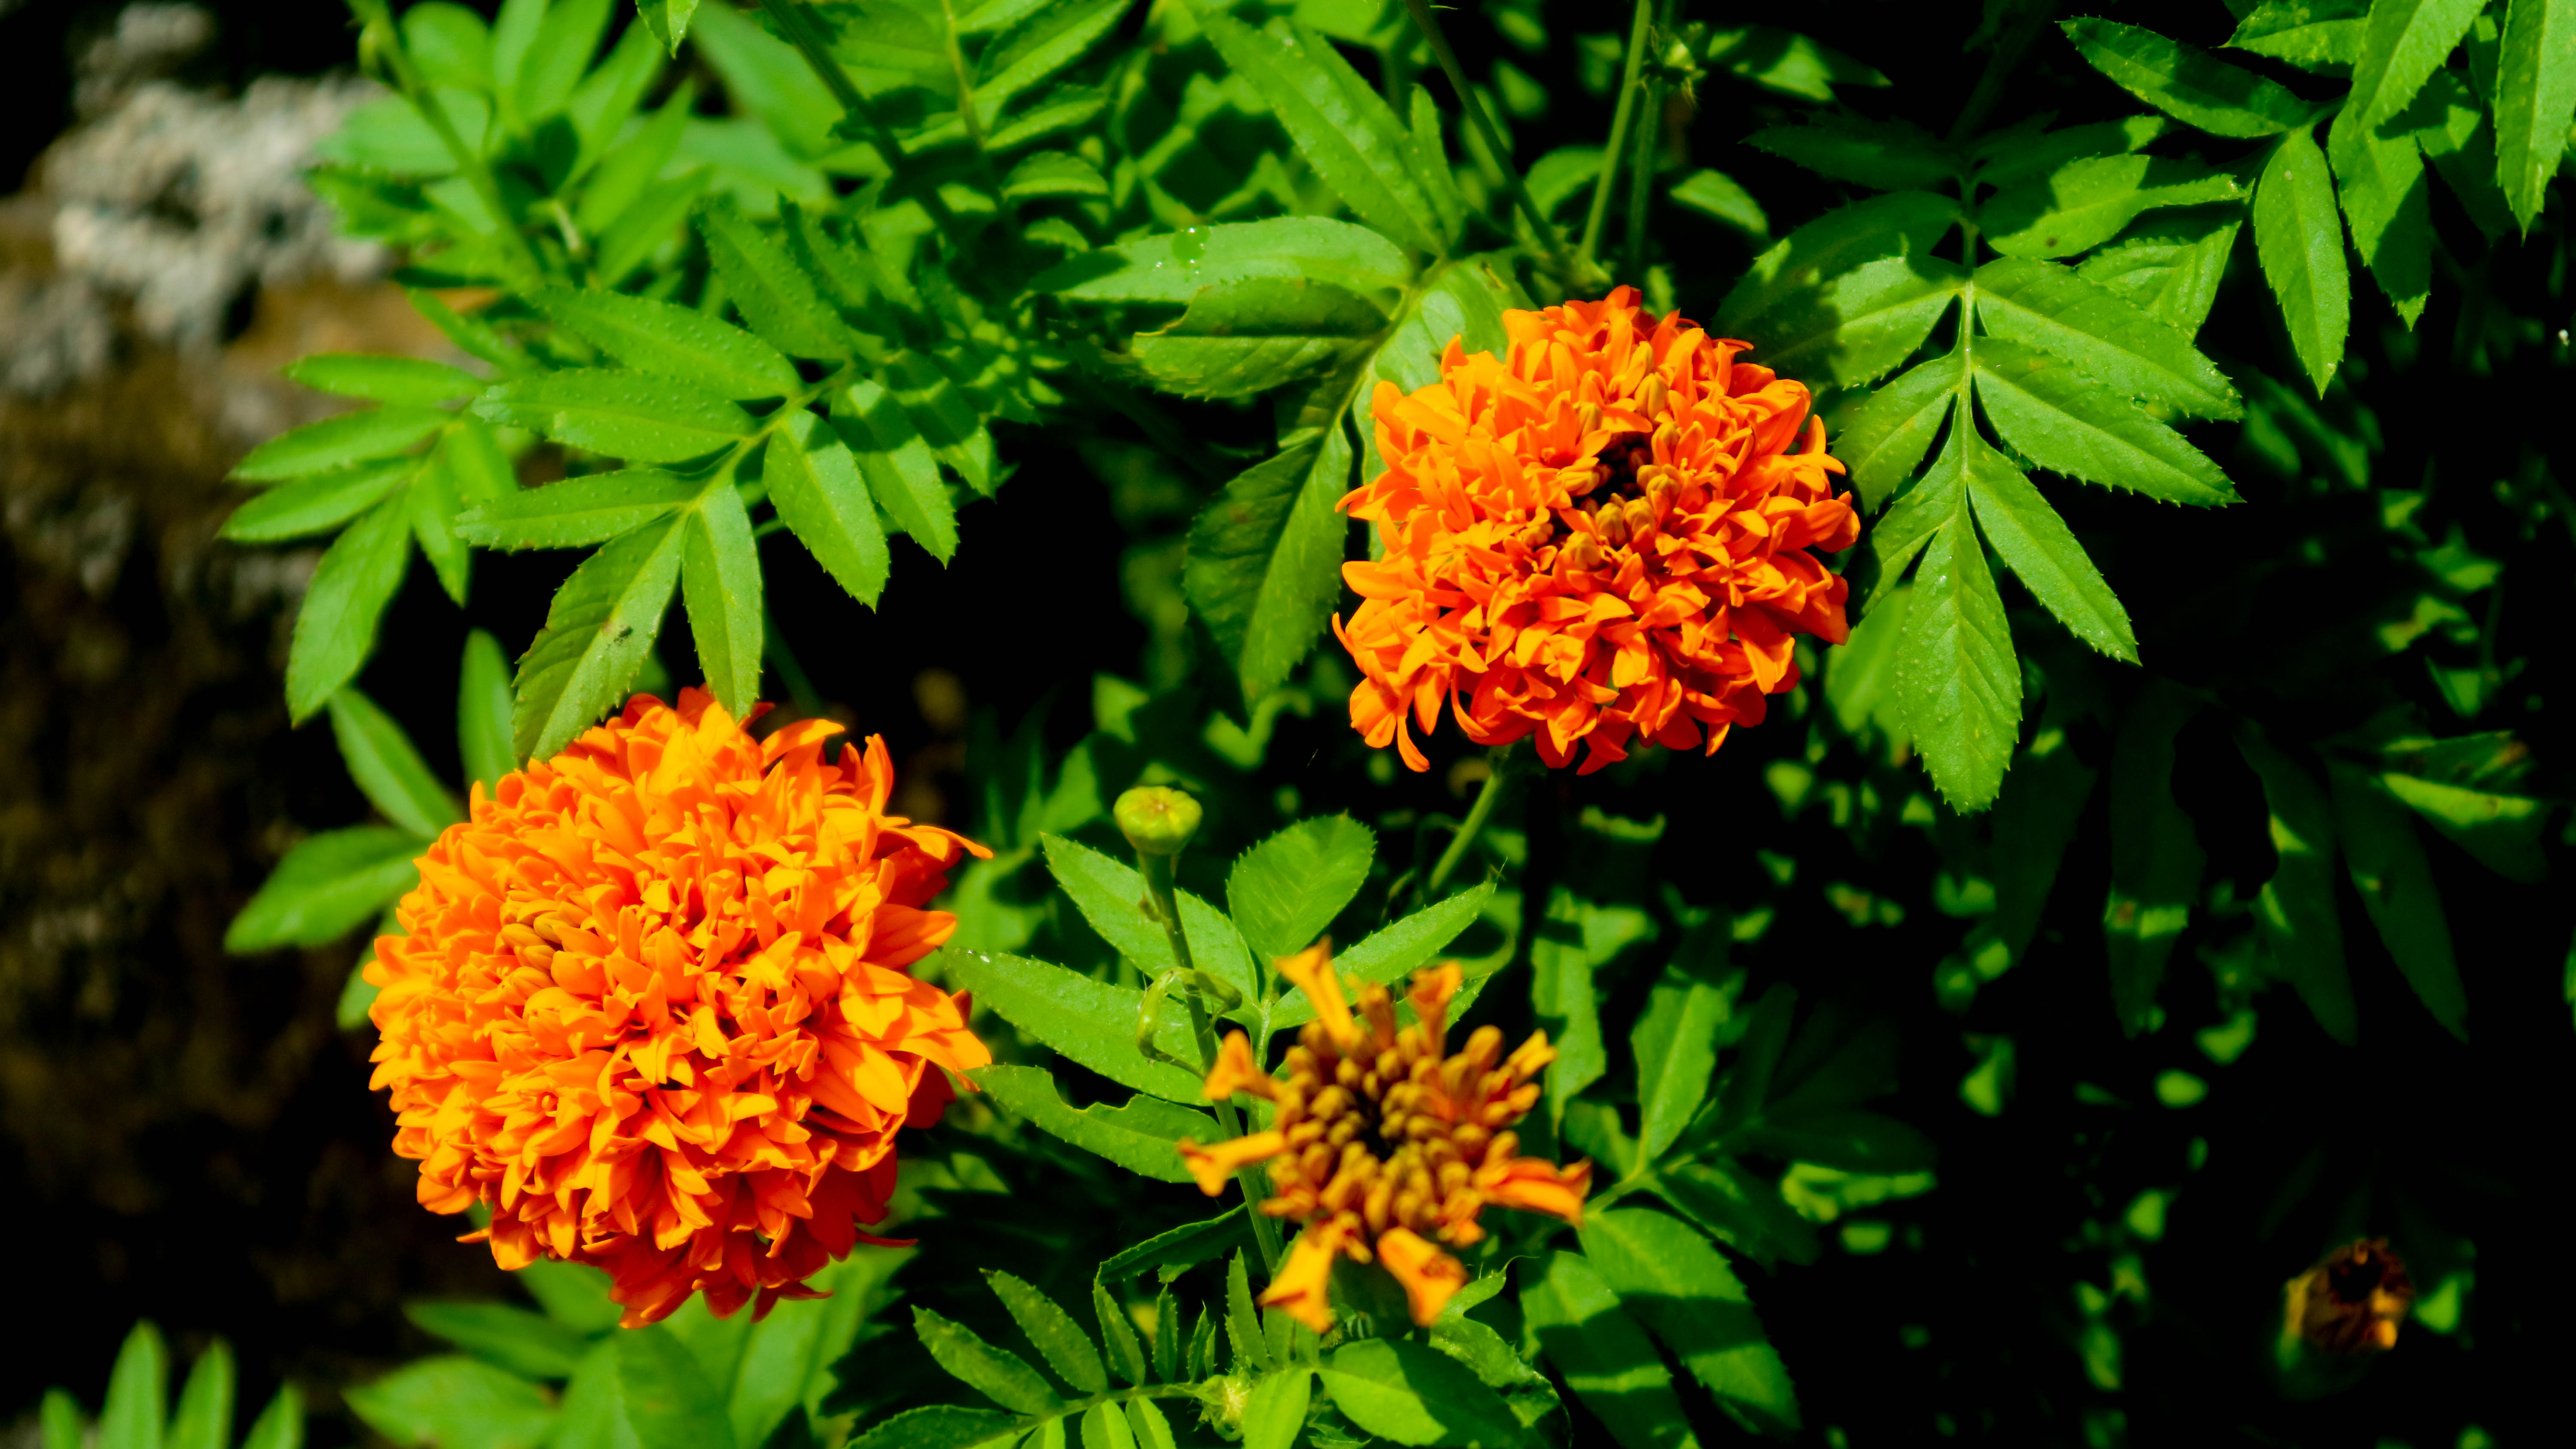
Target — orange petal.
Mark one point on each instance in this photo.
(1429, 1275)
(1213, 1165)
(1539, 1187)
(1433, 989)
(1312, 970)
(1235, 1071)
(1298, 1290)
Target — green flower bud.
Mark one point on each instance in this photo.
(1157, 819)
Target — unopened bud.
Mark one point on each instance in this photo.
(1668, 439)
(1614, 523)
(1538, 532)
(1582, 551)
(1654, 398)
(1588, 416)
(1157, 819)
(1665, 491)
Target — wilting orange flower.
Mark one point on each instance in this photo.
(651, 1006)
(1603, 537)
(2351, 1302)
(1381, 1143)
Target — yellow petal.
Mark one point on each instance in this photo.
(1298, 1290)
(1213, 1165)
(1312, 970)
(1428, 1274)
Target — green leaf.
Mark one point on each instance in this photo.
(1605, 1357)
(2388, 203)
(1958, 682)
(2404, 42)
(999, 1375)
(2502, 831)
(1241, 338)
(1428, 156)
(411, 380)
(2088, 201)
(1125, 1352)
(1242, 1320)
(1847, 1139)
(1394, 951)
(335, 631)
(1670, 1277)
(59, 1421)
(931, 392)
(672, 341)
(1855, 328)
(1176, 266)
(1338, 124)
(2013, 156)
(387, 769)
(2450, 127)
(527, 1344)
(764, 283)
(483, 711)
(1674, 1039)
(2156, 859)
(2034, 820)
(592, 1414)
(942, 1426)
(2296, 911)
(2318, 35)
(1275, 1411)
(279, 1426)
(615, 197)
(598, 630)
(668, 19)
(1105, 1427)
(1576, 939)
(2300, 242)
(631, 415)
(1138, 1136)
(318, 503)
(1416, 1395)
(1067, 1349)
(1860, 676)
(1053, 173)
(1039, 46)
(137, 1389)
(2187, 83)
(1719, 197)
(572, 1293)
(1881, 155)
(2169, 268)
(451, 1402)
(2042, 552)
(1182, 1247)
(814, 483)
(1883, 440)
(204, 1418)
(1109, 894)
(1740, 1210)
(325, 886)
(1091, 1021)
(720, 583)
(339, 442)
(901, 475)
(2395, 882)
(431, 505)
(1284, 892)
(669, 1402)
(1908, 223)
(2132, 352)
(2535, 94)
(2062, 420)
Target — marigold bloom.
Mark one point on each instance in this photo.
(1381, 1143)
(651, 1006)
(1602, 537)
(2351, 1302)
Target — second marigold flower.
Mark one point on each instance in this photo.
(1602, 538)
(1382, 1143)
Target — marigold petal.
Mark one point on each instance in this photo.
(1298, 1290)
(1429, 1274)
(1213, 1165)
(1312, 971)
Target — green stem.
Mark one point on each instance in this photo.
(1641, 179)
(1499, 772)
(966, 98)
(800, 685)
(1620, 119)
(378, 15)
(1573, 271)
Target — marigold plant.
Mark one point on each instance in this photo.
(650, 1006)
(1603, 537)
(1383, 1143)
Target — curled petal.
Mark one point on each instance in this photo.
(1299, 1288)
(1429, 1274)
(1539, 1187)
(1312, 970)
(1212, 1165)
(1235, 1071)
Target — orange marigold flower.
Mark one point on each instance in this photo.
(651, 1006)
(1381, 1142)
(1602, 538)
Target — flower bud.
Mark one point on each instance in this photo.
(1581, 551)
(1655, 397)
(1157, 819)
(1614, 523)
(2351, 1302)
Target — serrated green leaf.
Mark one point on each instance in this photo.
(527, 1344)
(1671, 1278)
(413, 380)
(2010, 158)
(335, 631)
(2156, 859)
(629, 171)
(1181, 1247)
(672, 341)
(814, 483)
(2170, 268)
(483, 711)
(2299, 239)
(1093, 1022)
(1853, 329)
(2317, 35)
(386, 767)
(1860, 676)
(2535, 94)
(1177, 266)
(1050, 39)
(335, 443)
(2051, 307)
(1907, 223)
(1931, 504)
(901, 474)
(1958, 682)
(1139, 1136)
(764, 283)
(2054, 415)
(318, 503)
(2502, 831)
(1053, 173)
(721, 585)
(1275, 1411)
(2042, 552)
(2403, 43)
(1674, 1040)
(1340, 127)
(1428, 156)
(577, 512)
(1883, 441)
(1241, 338)
(1107, 894)
(1412, 1394)
(1265, 555)
(2186, 83)
(1286, 890)
(1881, 155)
(1394, 951)
(2395, 883)
(632, 415)
(2296, 911)
(668, 20)
(433, 502)
(1576, 939)
(1242, 1320)
(2450, 127)
(2388, 204)
(325, 887)
(1740, 1210)
(1718, 196)
(453, 1402)
(2088, 201)
(943, 1426)
(598, 629)
(1604, 1355)
(1067, 1349)
(1124, 1350)
(669, 1401)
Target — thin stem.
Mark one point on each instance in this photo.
(1574, 271)
(1483, 810)
(966, 94)
(1641, 179)
(478, 174)
(1619, 122)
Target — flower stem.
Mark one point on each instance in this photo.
(1619, 122)
(1498, 773)
(1574, 271)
